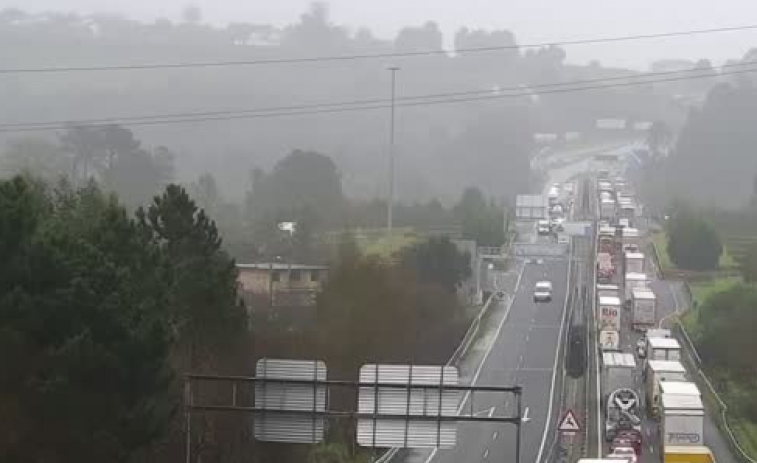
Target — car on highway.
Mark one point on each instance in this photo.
(624, 453)
(543, 291)
(543, 227)
(628, 438)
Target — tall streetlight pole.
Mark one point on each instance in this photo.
(390, 200)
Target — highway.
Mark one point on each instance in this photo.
(524, 351)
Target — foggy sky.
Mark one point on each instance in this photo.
(531, 21)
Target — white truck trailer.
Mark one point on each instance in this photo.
(663, 349)
(656, 372)
(618, 369)
(631, 240)
(609, 313)
(607, 209)
(643, 309)
(634, 262)
(611, 290)
(634, 281)
(682, 422)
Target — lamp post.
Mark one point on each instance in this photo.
(390, 199)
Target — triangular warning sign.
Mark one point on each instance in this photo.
(569, 423)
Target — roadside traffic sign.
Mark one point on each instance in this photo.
(569, 423)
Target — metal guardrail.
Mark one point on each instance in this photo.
(694, 361)
(695, 366)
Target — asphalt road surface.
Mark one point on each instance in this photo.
(524, 352)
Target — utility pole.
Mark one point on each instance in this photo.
(390, 199)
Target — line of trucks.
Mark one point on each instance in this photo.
(649, 379)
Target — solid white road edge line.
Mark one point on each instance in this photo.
(488, 351)
(548, 422)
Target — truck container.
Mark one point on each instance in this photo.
(658, 333)
(618, 369)
(656, 372)
(688, 454)
(643, 309)
(605, 267)
(679, 388)
(634, 262)
(635, 281)
(682, 421)
(631, 239)
(663, 349)
(609, 313)
(606, 289)
(609, 340)
(607, 209)
(628, 212)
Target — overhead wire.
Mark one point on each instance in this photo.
(324, 105)
(313, 59)
(361, 105)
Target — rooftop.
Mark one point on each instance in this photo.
(679, 387)
(618, 359)
(666, 366)
(663, 343)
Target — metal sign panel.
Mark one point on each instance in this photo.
(295, 428)
(611, 124)
(413, 403)
(609, 340)
(569, 423)
(540, 249)
(577, 228)
(531, 207)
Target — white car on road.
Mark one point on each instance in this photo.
(543, 291)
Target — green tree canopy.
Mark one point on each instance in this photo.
(83, 332)
(205, 308)
(437, 261)
(693, 244)
(480, 220)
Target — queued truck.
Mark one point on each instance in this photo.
(643, 309)
(607, 209)
(633, 262)
(656, 372)
(606, 240)
(605, 267)
(682, 422)
(608, 289)
(633, 282)
(663, 349)
(688, 454)
(631, 239)
(621, 401)
(609, 313)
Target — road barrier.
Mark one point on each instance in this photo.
(693, 364)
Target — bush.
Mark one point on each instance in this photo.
(693, 244)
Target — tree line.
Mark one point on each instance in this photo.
(103, 310)
(305, 187)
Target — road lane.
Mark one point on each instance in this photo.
(523, 353)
